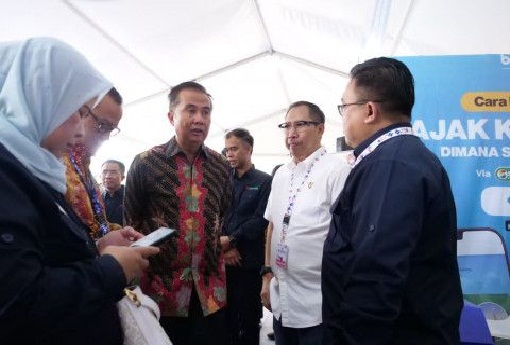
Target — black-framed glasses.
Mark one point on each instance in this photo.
(341, 107)
(103, 127)
(298, 125)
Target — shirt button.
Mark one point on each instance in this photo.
(7, 238)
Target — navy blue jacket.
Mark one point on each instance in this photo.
(245, 220)
(114, 206)
(389, 270)
(54, 288)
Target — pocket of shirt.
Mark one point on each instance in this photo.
(339, 234)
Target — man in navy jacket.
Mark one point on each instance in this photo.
(389, 269)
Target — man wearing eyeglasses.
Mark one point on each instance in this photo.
(302, 192)
(389, 269)
(83, 192)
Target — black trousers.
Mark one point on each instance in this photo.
(244, 308)
(196, 329)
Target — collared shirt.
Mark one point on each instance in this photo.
(390, 273)
(164, 189)
(296, 290)
(114, 205)
(245, 221)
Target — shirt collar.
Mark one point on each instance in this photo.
(173, 149)
(246, 174)
(117, 192)
(308, 160)
(364, 144)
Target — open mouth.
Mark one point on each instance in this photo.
(197, 131)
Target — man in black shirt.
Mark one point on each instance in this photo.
(243, 239)
(112, 174)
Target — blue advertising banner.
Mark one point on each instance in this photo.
(462, 113)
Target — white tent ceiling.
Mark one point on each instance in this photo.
(254, 56)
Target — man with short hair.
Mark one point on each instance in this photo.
(302, 192)
(112, 174)
(243, 239)
(83, 192)
(389, 270)
(186, 186)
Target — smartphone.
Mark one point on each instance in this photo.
(155, 238)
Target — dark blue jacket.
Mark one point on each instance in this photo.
(389, 270)
(114, 206)
(245, 220)
(54, 288)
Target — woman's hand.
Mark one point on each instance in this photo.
(123, 237)
(132, 259)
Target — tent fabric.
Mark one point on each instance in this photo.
(255, 57)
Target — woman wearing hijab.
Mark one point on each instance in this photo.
(56, 286)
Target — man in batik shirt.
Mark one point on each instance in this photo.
(186, 186)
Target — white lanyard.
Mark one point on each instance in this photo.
(293, 194)
(395, 132)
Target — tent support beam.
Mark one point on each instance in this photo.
(114, 42)
(249, 123)
(244, 62)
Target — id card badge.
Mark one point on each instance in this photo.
(282, 253)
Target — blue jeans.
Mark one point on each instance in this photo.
(296, 336)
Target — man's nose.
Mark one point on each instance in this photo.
(198, 118)
(291, 132)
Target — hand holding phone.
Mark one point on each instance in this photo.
(155, 238)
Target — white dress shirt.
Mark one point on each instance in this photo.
(295, 290)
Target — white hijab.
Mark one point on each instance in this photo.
(43, 81)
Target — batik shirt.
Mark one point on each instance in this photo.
(83, 193)
(164, 189)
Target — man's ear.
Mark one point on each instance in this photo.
(320, 126)
(373, 113)
(171, 117)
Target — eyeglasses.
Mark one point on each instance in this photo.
(341, 107)
(103, 127)
(298, 125)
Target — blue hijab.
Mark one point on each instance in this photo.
(43, 81)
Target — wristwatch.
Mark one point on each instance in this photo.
(264, 270)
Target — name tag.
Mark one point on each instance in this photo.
(282, 253)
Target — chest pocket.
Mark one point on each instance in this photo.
(247, 198)
(339, 235)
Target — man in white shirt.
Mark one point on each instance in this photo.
(298, 213)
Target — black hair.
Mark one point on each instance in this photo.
(175, 92)
(387, 81)
(242, 134)
(313, 110)
(113, 93)
(120, 164)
